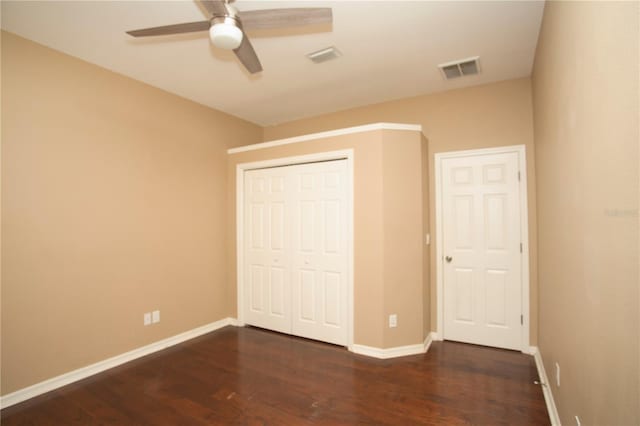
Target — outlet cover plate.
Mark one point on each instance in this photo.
(393, 320)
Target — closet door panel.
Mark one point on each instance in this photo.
(319, 242)
(267, 260)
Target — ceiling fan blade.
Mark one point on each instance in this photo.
(187, 27)
(214, 7)
(248, 56)
(279, 18)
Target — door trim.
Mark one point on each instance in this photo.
(347, 155)
(524, 232)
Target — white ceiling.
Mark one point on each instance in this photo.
(391, 50)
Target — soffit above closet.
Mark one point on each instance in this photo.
(327, 134)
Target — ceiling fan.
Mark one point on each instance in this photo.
(227, 26)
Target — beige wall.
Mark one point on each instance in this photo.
(491, 115)
(585, 92)
(402, 239)
(387, 226)
(112, 205)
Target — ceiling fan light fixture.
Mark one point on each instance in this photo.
(226, 34)
(226, 26)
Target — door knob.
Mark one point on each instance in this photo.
(448, 259)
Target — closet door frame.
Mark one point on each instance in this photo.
(347, 155)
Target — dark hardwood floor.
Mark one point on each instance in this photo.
(256, 377)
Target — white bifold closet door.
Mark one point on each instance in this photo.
(295, 250)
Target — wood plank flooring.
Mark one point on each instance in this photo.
(249, 376)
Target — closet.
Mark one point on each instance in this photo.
(295, 250)
(332, 237)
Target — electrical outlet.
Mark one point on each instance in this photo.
(155, 316)
(557, 374)
(147, 318)
(393, 320)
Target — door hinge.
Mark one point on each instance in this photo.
(518, 175)
(521, 319)
(520, 247)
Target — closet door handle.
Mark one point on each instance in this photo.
(448, 259)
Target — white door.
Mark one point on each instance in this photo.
(267, 286)
(296, 250)
(482, 250)
(319, 243)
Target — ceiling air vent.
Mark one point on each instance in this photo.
(460, 68)
(324, 55)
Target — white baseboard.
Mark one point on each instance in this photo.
(100, 366)
(398, 351)
(546, 387)
(431, 337)
(235, 322)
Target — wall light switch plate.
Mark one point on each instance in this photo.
(147, 318)
(155, 316)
